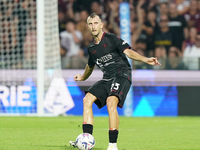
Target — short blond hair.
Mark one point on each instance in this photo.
(93, 15)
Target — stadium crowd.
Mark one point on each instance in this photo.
(18, 42)
(166, 29)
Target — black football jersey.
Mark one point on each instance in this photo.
(109, 57)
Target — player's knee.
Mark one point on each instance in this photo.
(111, 104)
(87, 102)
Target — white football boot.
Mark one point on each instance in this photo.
(72, 143)
(112, 146)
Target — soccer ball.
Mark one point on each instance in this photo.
(85, 141)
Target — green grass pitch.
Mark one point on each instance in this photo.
(53, 133)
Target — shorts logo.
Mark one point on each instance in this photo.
(104, 45)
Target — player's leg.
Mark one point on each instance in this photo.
(94, 92)
(88, 118)
(118, 91)
(112, 102)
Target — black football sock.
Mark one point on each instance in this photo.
(113, 135)
(87, 128)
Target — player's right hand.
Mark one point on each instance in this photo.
(78, 77)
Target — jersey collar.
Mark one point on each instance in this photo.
(101, 38)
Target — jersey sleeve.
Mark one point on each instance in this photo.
(121, 45)
(91, 62)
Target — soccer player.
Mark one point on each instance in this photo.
(109, 53)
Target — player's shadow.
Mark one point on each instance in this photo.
(71, 148)
(56, 147)
(64, 147)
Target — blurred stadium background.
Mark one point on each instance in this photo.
(43, 44)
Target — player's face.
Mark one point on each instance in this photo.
(94, 25)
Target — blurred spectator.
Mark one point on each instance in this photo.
(162, 11)
(81, 26)
(61, 20)
(192, 16)
(133, 14)
(191, 55)
(8, 36)
(151, 5)
(135, 31)
(174, 60)
(79, 5)
(191, 40)
(70, 41)
(62, 6)
(30, 43)
(161, 55)
(20, 15)
(113, 17)
(141, 19)
(8, 46)
(139, 64)
(178, 26)
(163, 35)
(96, 8)
(182, 6)
(66, 9)
(30, 49)
(141, 44)
(70, 13)
(149, 28)
(198, 5)
(77, 17)
(136, 26)
(133, 20)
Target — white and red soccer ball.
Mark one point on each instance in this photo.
(85, 141)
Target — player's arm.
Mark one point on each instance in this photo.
(135, 56)
(85, 75)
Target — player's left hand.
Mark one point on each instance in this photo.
(153, 61)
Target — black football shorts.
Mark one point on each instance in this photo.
(117, 86)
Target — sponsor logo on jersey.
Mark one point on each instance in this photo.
(103, 59)
(109, 63)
